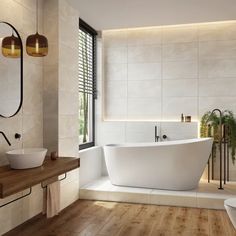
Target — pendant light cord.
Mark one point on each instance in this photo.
(37, 14)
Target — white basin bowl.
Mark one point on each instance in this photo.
(26, 158)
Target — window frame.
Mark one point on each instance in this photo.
(88, 29)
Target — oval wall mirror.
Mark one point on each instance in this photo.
(11, 70)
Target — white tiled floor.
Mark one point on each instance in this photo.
(206, 195)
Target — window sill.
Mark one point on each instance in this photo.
(86, 145)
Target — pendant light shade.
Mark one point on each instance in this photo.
(11, 47)
(36, 44)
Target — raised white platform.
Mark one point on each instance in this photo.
(206, 195)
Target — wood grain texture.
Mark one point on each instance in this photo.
(14, 181)
(95, 218)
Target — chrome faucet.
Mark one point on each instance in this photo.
(5, 137)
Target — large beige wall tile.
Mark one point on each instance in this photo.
(68, 103)
(210, 103)
(140, 132)
(67, 127)
(115, 55)
(180, 52)
(142, 54)
(180, 34)
(116, 108)
(144, 109)
(180, 88)
(115, 71)
(217, 68)
(148, 36)
(116, 89)
(69, 147)
(144, 89)
(173, 107)
(217, 49)
(116, 38)
(217, 87)
(144, 71)
(217, 31)
(180, 70)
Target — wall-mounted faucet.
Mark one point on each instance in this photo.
(157, 137)
(5, 137)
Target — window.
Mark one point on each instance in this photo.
(87, 84)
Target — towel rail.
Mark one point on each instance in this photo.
(45, 186)
(30, 191)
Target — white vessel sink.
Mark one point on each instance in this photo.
(26, 158)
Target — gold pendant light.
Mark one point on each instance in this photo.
(11, 47)
(36, 44)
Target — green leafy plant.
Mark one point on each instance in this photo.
(210, 128)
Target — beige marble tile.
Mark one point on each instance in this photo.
(180, 70)
(180, 52)
(217, 68)
(144, 89)
(218, 87)
(217, 31)
(116, 38)
(180, 88)
(147, 54)
(115, 55)
(144, 108)
(115, 108)
(116, 89)
(68, 126)
(180, 34)
(68, 103)
(173, 107)
(115, 71)
(217, 49)
(148, 36)
(68, 146)
(32, 134)
(144, 71)
(209, 103)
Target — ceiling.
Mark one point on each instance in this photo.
(116, 14)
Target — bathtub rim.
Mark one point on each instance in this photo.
(155, 144)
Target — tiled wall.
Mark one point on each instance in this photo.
(29, 121)
(159, 73)
(60, 89)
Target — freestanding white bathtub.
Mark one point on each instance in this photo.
(171, 165)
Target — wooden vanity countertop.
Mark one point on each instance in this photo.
(14, 181)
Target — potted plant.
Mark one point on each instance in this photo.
(210, 128)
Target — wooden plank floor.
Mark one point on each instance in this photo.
(98, 218)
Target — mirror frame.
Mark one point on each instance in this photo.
(21, 70)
